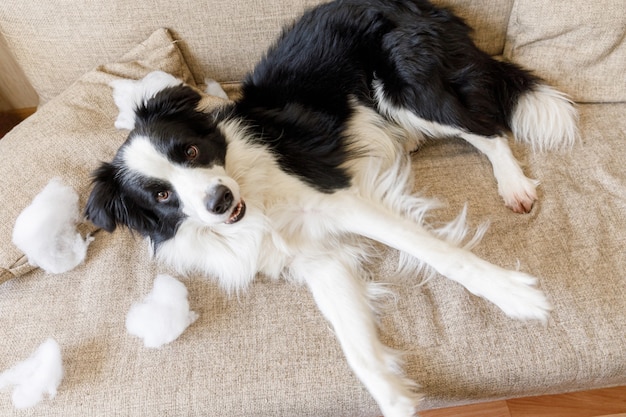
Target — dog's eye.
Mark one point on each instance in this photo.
(191, 152)
(162, 196)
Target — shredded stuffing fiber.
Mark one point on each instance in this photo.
(40, 374)
(163, 315)
(46, 230)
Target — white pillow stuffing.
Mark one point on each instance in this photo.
(41, 373)
(163, 315)
(46, 230)
(213, 88)
(128, 95)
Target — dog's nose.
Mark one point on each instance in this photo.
(219, 199)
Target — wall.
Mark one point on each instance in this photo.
(15, 90)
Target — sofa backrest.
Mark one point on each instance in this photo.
(56, 41)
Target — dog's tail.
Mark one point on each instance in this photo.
(537, 114)
(545, 119)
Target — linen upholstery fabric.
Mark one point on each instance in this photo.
(578, 46)
(269, 352)
(221, 39)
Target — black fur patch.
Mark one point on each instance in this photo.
(300, 96)
(118, 198)
(172, 123)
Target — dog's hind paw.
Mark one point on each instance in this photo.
(518, 192)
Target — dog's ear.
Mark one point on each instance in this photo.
(105, 203)
(129, 95)
(178, 103)
(109, 206)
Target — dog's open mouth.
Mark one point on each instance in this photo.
(237, 214)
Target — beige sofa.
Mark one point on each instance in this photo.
(269, 352)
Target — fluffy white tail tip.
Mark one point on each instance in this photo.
(545, 119)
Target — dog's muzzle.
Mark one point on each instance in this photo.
(220, 200)
(238, 213)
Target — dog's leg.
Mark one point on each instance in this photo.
(514, 187)
(343, 299)
(513, 291)
(517, 191)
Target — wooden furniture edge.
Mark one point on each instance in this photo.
(11, 118)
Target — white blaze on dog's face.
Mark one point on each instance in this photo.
(204, 191)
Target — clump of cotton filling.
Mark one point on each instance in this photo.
(163, 315)
(40, 374)
(46, 230)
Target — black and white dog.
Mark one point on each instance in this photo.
(294, 177)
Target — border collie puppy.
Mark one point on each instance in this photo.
(298, 175)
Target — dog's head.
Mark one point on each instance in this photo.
(171, 167)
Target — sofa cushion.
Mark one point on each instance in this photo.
(579, 46)
(269, 352)
(69, 135)
(222, 39)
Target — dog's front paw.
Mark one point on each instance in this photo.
(516, 294)
(403, 406)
